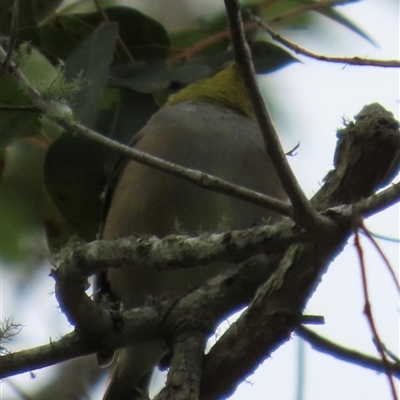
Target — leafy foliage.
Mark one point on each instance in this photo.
(118, 66)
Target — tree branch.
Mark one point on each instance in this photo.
(64, 119)
(326, 346)
(302, 9)
(377, 202)
(280, 300)
(303, 213)
(70, 346)
(13, 37)
(183, 381)
(358, 61)
(219, 296)
(182, 251)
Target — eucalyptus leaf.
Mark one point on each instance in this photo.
(89, 63)
(268, 57)
(144, 37)
(31, 12)
(134, 111)
(75, 176)
(76, 169)
(143, 77)
(340, 18)
(281, 7)
(12, 124)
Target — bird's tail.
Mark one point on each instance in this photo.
(132, 374)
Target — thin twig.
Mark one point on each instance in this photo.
(191, 51)
(43, 143)
(345, 354)
(343, 60)
(257, 22)
(266, 3)
(383, 237)
(198, 178)
(390, 354)
(292, 152)
(304, 214)
(383, 256)
(13, 37)
(369, 316)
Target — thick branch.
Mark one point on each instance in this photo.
(183, 251)
(269, 320)
(275, 310)
(377, 202)
(220, 296)
(367, 157)
(281, 299)
(70, 346)
(183, 381)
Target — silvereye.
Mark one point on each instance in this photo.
(208, 126)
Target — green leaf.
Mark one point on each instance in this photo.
(2, 162)
(283, 6)
(75, 176)
(144, 37)
(31, 12)
(14, 124)
(159, 77)
(58, 230)
(188, 73)
(76, 170)
(134, 110)
(90, 62)
(57, 37)
(268, 57)
(340, 18)
(143, 77)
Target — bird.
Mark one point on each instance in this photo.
(209, 126)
